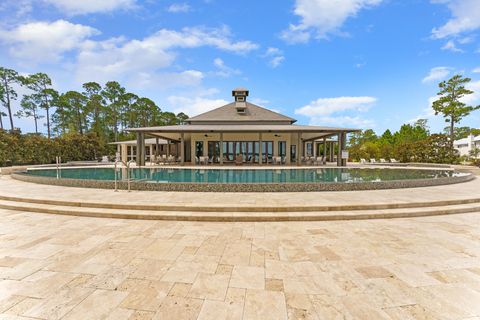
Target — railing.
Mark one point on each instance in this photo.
(128, 179)
(58, 163)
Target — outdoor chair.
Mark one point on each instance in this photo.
(392, 160)
(382, 160)
(318, 161)
(363, 161)
(373, 160)
(239, 160)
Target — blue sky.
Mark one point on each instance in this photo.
(356, 63)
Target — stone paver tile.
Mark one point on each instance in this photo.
(219, 310)
(257, 257)
(142, 315)
(183, 271)
(109, 279)
(180, 289)
(374, 272)
(360, 308)
(412, 275)
(46, 285)
(179, 308)
(23, 306)
(410, 312)
(80, 280)
(237, 254)
(146, 295)
(150, 269)
(97, 305)
(59, 304)
(265, 305)
(9, 301)
(120, 314)
(210, 286)
(11, 261)
(329, 307)
(274, 284)
(278, 269)
(224, 269)
(248, 277)
(299, 306)
(235, 295)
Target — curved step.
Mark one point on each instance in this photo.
(241, 216)
(245, 208)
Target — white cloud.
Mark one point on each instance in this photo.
(74, 7)
(320, 18)
(451, 46)
(193, 106)
(162, 81)
(275, 56)
(328, 106)
(476, 70)
(465, 18)
(321, 111)
(223, 69)
(179, 8)
(472, 99)
(113, 59)
(45, 41)
(343, 121)
(436, 74)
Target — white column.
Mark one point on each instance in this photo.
(182, 149)
(221, 148)
(260, 148)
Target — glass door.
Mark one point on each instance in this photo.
(293, 153)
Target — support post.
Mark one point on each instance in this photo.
(182, 148)
(331, 151)
(157, 147)
(299, 148)
(260, 148)
(324, 158)
(344, 145)
(221, 148)
(339, 150)
(314, 146)
(140, 149)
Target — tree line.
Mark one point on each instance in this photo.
(414, 142)
(104, 111)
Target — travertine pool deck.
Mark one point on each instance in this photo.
(63, 267)
(192, 200)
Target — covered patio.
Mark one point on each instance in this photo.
(221, 144)
(244, 133)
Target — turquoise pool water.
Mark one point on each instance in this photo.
(320, 175)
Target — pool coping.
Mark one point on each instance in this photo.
(242, 187)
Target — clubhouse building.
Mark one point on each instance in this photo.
(241, 133)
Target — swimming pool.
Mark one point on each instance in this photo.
(244, 179)
(246, 176)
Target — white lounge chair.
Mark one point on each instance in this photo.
(382, 160)
(318, 161)
(373, 160)
(392, 160)
(363, 161)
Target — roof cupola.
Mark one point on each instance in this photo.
(240, 94)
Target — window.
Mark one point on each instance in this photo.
(199, 148)
(282, 148)
(309, 149)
